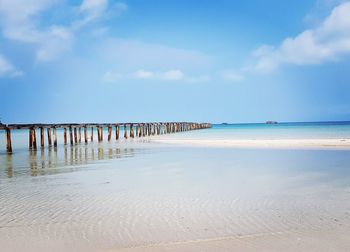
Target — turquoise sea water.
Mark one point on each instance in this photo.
(81, 154)
(295, 130)
(308, 130)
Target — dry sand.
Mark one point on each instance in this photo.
(261, 143)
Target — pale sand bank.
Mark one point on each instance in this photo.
(261, 143)
(272, 242)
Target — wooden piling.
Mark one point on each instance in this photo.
(79, 135)
(125, 132)
(100, 134)
(75, 135)
(34, 139)
(132, 135)
(148, 129)
(42, 141)
(92, 134)
(65, 136)
(85, 135)
(109, 133)
(117, 132)
(141, 129)
(30, 139)
(8, 141)
(49, 140)
(70, 135)
(54, 137)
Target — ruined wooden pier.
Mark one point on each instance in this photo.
(73, 131)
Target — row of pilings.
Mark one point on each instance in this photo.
(76, 133)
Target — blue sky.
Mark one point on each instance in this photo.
(183, 60)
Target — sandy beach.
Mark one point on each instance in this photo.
(340, 143)
(162, 196)
(272, 242)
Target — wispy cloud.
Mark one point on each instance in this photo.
(167, 75)
(21, 21)
(7, 69)
(327, 42)
(127, 54)
(146, 75)
(232, 75)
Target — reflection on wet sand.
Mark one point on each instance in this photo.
(53, 160)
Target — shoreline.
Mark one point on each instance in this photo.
(336, 144)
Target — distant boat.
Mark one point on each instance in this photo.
(271, 122)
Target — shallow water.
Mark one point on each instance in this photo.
(312, 130)
(136, 194)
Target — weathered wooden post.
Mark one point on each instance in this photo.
(75, 135)
(125, 132)
(8, 141)
(42, 141)
(100, 133)
(132, 131)
(92, 134)
(109, 133)
(49, 136)
(117, 132)
(79, 135)
(30, 139)
(70, 135)
(85, 134)
(149, 129)
(54, 137)
(34, 138)
(65, 136)
(159, 128)
(140, 130)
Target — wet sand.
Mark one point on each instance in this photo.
(165, 197)
(271, 242)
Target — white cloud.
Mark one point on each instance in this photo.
(125, 54)
(328, 42)
(146, 75)
(7, 69)
(58, 39)
(170, 75)
(143, 74)
(111, 77)
(20, 22)
(91, 10)
(231, 76)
